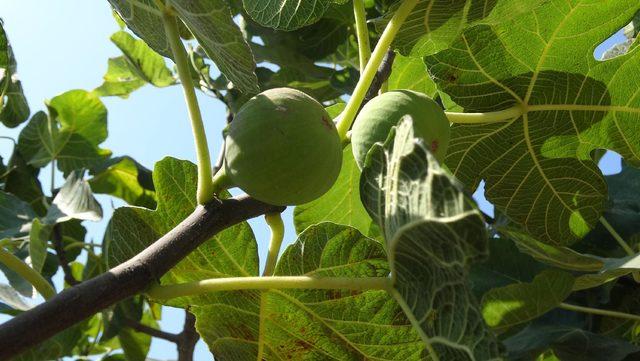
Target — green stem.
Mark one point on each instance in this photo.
(617, 237)
(274, 220)
(362, 32)
(34, 278)
(265, 283)
(600, 312)
(205, 186)
(490, 117)
(359, 93)
(621, 242)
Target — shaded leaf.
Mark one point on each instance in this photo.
(505, 265)
(568, 343)
(22, 181)
(15, 215)
(211, 24)
(13, 105)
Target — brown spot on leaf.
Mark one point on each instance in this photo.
(434, 146)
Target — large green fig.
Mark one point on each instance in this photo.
(282, 148)
(383, 112)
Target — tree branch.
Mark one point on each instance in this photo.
(62, 256)
(132, 277)
(382, 75)
(187, 338)
(153, 332)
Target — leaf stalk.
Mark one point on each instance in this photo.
(359, 93)
(205, 186)
(362, 33)
(621, 242)
(276, 225)
(489, 117)
(597, 311)
(29, 274)
(266, 283)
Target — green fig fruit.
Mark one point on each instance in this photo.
(282, 148)
(378, 116)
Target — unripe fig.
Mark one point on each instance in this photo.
(383, 112)
(282, 148)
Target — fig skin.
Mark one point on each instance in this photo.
(282, 148)
(379, 115)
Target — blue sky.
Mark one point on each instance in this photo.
(63, 45)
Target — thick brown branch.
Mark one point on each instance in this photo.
(85, 299)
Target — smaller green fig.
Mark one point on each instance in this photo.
(282, 148)
(383, 112)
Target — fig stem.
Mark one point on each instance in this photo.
(598, 311)
(359, 93)
(266, 283)
(276, 225)
(205, 186)
(489, 117)
(362, 32)
(221, 181)
(29, 274)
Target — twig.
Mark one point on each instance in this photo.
(153, 332)
(62, 257)
(187, 338)
(131, 277)
(382, 75)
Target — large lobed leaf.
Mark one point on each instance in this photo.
(286, 14)
(434, 233)
(434, 24)
(313, 324)
(210, 22)
(538, 167)
(230, 253)
(70, 134)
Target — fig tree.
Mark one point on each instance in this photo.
(383, 112)
(282, 148)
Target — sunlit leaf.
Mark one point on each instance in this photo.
(70, 134)
(313, 324)
(74, 201)
(538, 167)
(232, 252)
(507, 306)
(126, 179)
(434, 233)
